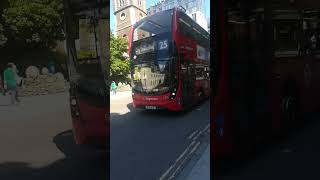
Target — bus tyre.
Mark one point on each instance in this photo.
(289, 110)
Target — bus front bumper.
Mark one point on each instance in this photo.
(157, 102)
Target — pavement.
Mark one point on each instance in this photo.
(201, 170)
(120, 95)
(293, 156)
(37, 142)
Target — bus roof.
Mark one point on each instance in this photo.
(178, 9)
(148, 18)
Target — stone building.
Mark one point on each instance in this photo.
(127, 13)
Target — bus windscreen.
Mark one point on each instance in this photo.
(153, 25)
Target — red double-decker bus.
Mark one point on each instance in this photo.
(267, 70)
(87, 31)
(169, 54)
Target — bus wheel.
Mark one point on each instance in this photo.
(290, 110)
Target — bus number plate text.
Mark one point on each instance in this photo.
(151, 107)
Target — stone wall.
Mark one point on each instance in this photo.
(42, 84)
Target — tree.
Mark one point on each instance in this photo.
(36, 23)
(120, 66)
(3, 38)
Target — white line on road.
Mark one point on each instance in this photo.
(175, 173)
(183, 158)
(192, 134)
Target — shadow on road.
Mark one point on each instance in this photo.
(66, 144)
(85, 165)
(290, 155)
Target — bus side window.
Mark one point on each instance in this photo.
(287, 35)
(311, 30)
(198, 73)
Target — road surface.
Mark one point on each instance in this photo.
(294, 156)
(152, 145)
(37, 144)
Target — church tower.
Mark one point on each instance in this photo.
(127, 13)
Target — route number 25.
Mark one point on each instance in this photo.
(163, 44)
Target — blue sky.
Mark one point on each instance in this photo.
(149, 2)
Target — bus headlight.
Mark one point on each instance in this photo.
(173, 94)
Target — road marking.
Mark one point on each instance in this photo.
(192, 134)
(184, 152)
(195, 148)
(198, 135)
(166, 173)
(179, 168)
(185, 156)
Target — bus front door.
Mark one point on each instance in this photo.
(186, 75)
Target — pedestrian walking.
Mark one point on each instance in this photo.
(113, 87)
(11, 83)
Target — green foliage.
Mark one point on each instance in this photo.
(31, 28)
(34, 22)
(120, 65)
(118, 46)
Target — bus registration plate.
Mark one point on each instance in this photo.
(151, 107)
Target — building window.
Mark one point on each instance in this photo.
(122, 3)
(139, 3)
(122, 16)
